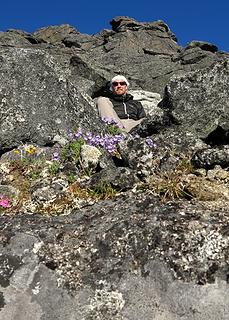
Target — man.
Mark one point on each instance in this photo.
(118, 105)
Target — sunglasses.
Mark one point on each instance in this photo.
(115, 84)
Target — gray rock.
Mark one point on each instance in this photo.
(148, 99)
(119, 178)
(13, 39)
(202, 45)
(89, 156)
(138, 155)
(150, 45)
(198, 103)
(37, 100)
(55, 34)
(197, 56)
(210, 157)
(165, 261)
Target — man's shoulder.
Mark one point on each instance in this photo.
(131, 98)
(135, 102)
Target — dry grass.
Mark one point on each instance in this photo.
(182, 182)
(172, 184)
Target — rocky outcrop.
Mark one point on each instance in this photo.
(96, 223)
(38, 100)
(188, 97)
(150, 45)
(110, 262)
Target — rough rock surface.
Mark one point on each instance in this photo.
(188, 98)
(109, 262)
(38, 101)
(120, 227)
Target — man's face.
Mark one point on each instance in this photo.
(119, 87)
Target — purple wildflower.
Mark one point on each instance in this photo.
(107, 141)
(150, 143)
(56, 156)
(78, 134)
(88, 138)
(70, 134)
(111, 121)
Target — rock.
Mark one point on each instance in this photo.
(8, 191)
(218, 173)
(197, 56)
(55, 34)
(43, 104)
(119, 178)
(210, 157)
(196, 105)
(110, 262)
(89, 156)
(206, 189)
(138, 155)
(45, 190)
(13, 39)
(150, 45)
(206, 46)
(148, 99)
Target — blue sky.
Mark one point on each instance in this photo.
(190, 20)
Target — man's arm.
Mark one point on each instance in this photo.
(141, 111)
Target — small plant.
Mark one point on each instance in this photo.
(103, 190)
(71, 178)
(172, 184)
(112, 127)
(113, 130)
(34, 175)
(185, 166)
(4, 202)
(71, 151)
(54, 168)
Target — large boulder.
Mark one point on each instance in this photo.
(198, 103)
(38, 101)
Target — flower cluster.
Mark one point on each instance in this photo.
(111, 121)
(30, 149)
(105, 141)
(150, 143)
(108, 141)
(4, 202)
(25, 152)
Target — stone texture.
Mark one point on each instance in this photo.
(198, 103)
(37, 99)
(164, 261)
